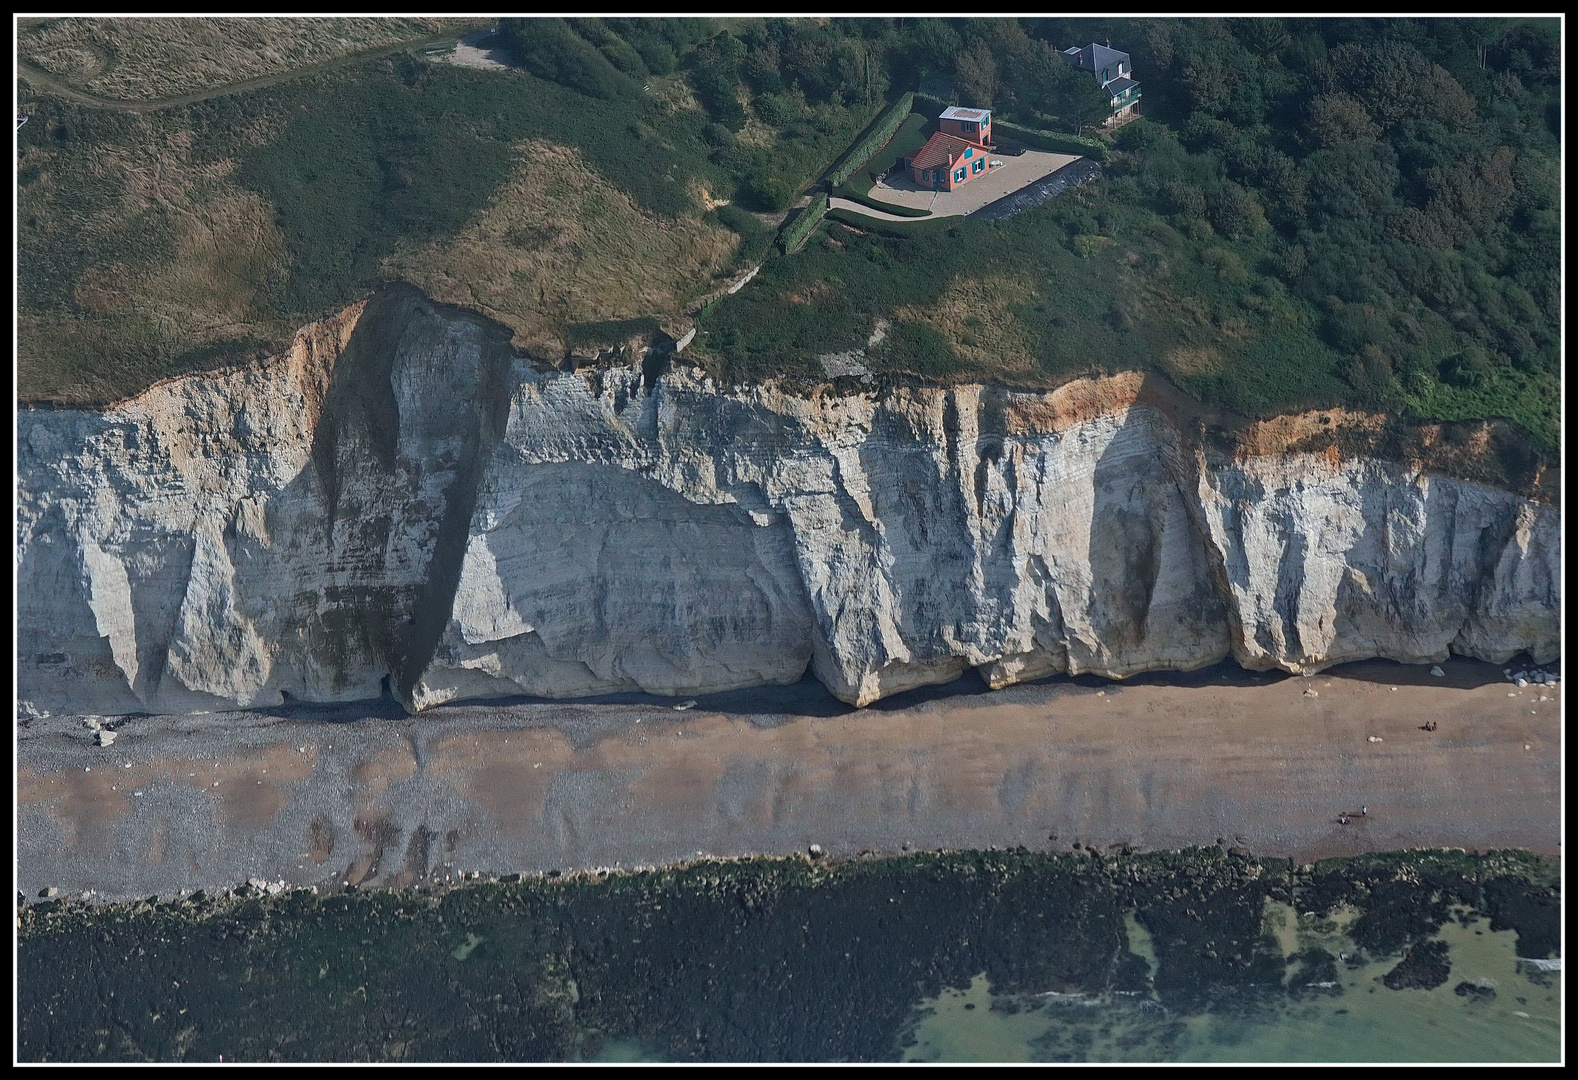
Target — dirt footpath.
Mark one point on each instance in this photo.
(1267, 762)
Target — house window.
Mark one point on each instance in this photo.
(968, 151)
(979, 165)
(958, 175)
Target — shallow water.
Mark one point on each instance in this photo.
(1359, 1019)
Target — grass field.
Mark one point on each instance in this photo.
(204, 234)
(559, 245)
(143, 59)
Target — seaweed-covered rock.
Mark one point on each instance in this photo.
(1424, 967)
(1317, 968)
(1534, 912)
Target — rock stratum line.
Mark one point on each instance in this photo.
(402, 504)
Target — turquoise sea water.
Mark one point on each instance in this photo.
(1513, 1015)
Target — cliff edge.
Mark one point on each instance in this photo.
(403, 503)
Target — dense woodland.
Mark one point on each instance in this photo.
(1411, 168)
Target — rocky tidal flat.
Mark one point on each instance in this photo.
(757, 959)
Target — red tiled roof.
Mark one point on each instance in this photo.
(939, 148)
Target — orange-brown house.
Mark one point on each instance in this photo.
(958, 153)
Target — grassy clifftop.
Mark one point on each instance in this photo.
(202, 234)
(1329, 213)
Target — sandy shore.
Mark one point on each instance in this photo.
(1263, 761)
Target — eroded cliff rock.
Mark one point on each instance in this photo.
(400, 503)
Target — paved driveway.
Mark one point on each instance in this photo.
(1014, 174)
(839, 203)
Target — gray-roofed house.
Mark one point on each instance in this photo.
(1115, 74)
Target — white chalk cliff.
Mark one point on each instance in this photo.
(400, 503)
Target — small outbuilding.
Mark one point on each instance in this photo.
(972, 124)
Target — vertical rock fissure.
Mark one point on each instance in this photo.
(435, 597)
(1190, 471)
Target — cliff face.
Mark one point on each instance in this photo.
(400, 502)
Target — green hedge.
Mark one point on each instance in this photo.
(798, 229)
(892, 208)
(1057, 142)
(875, 139)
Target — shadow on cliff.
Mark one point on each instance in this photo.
(412, 411)
(769, 706)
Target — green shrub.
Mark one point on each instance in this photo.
(755, 237)
(798, 229)
(1086, 245)
(1468, 369)
(715, 76)
(774, 109)
(550, 50)
(1235, 212)
(1228, 266)
(618, 51)
(1354, 326)
(1186, 198)
(658, 55)
(919, 349)
(733, 218)
(768, 192)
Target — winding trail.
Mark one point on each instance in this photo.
(838, 203)
(43, 80)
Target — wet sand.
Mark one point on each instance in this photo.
(329, 796)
